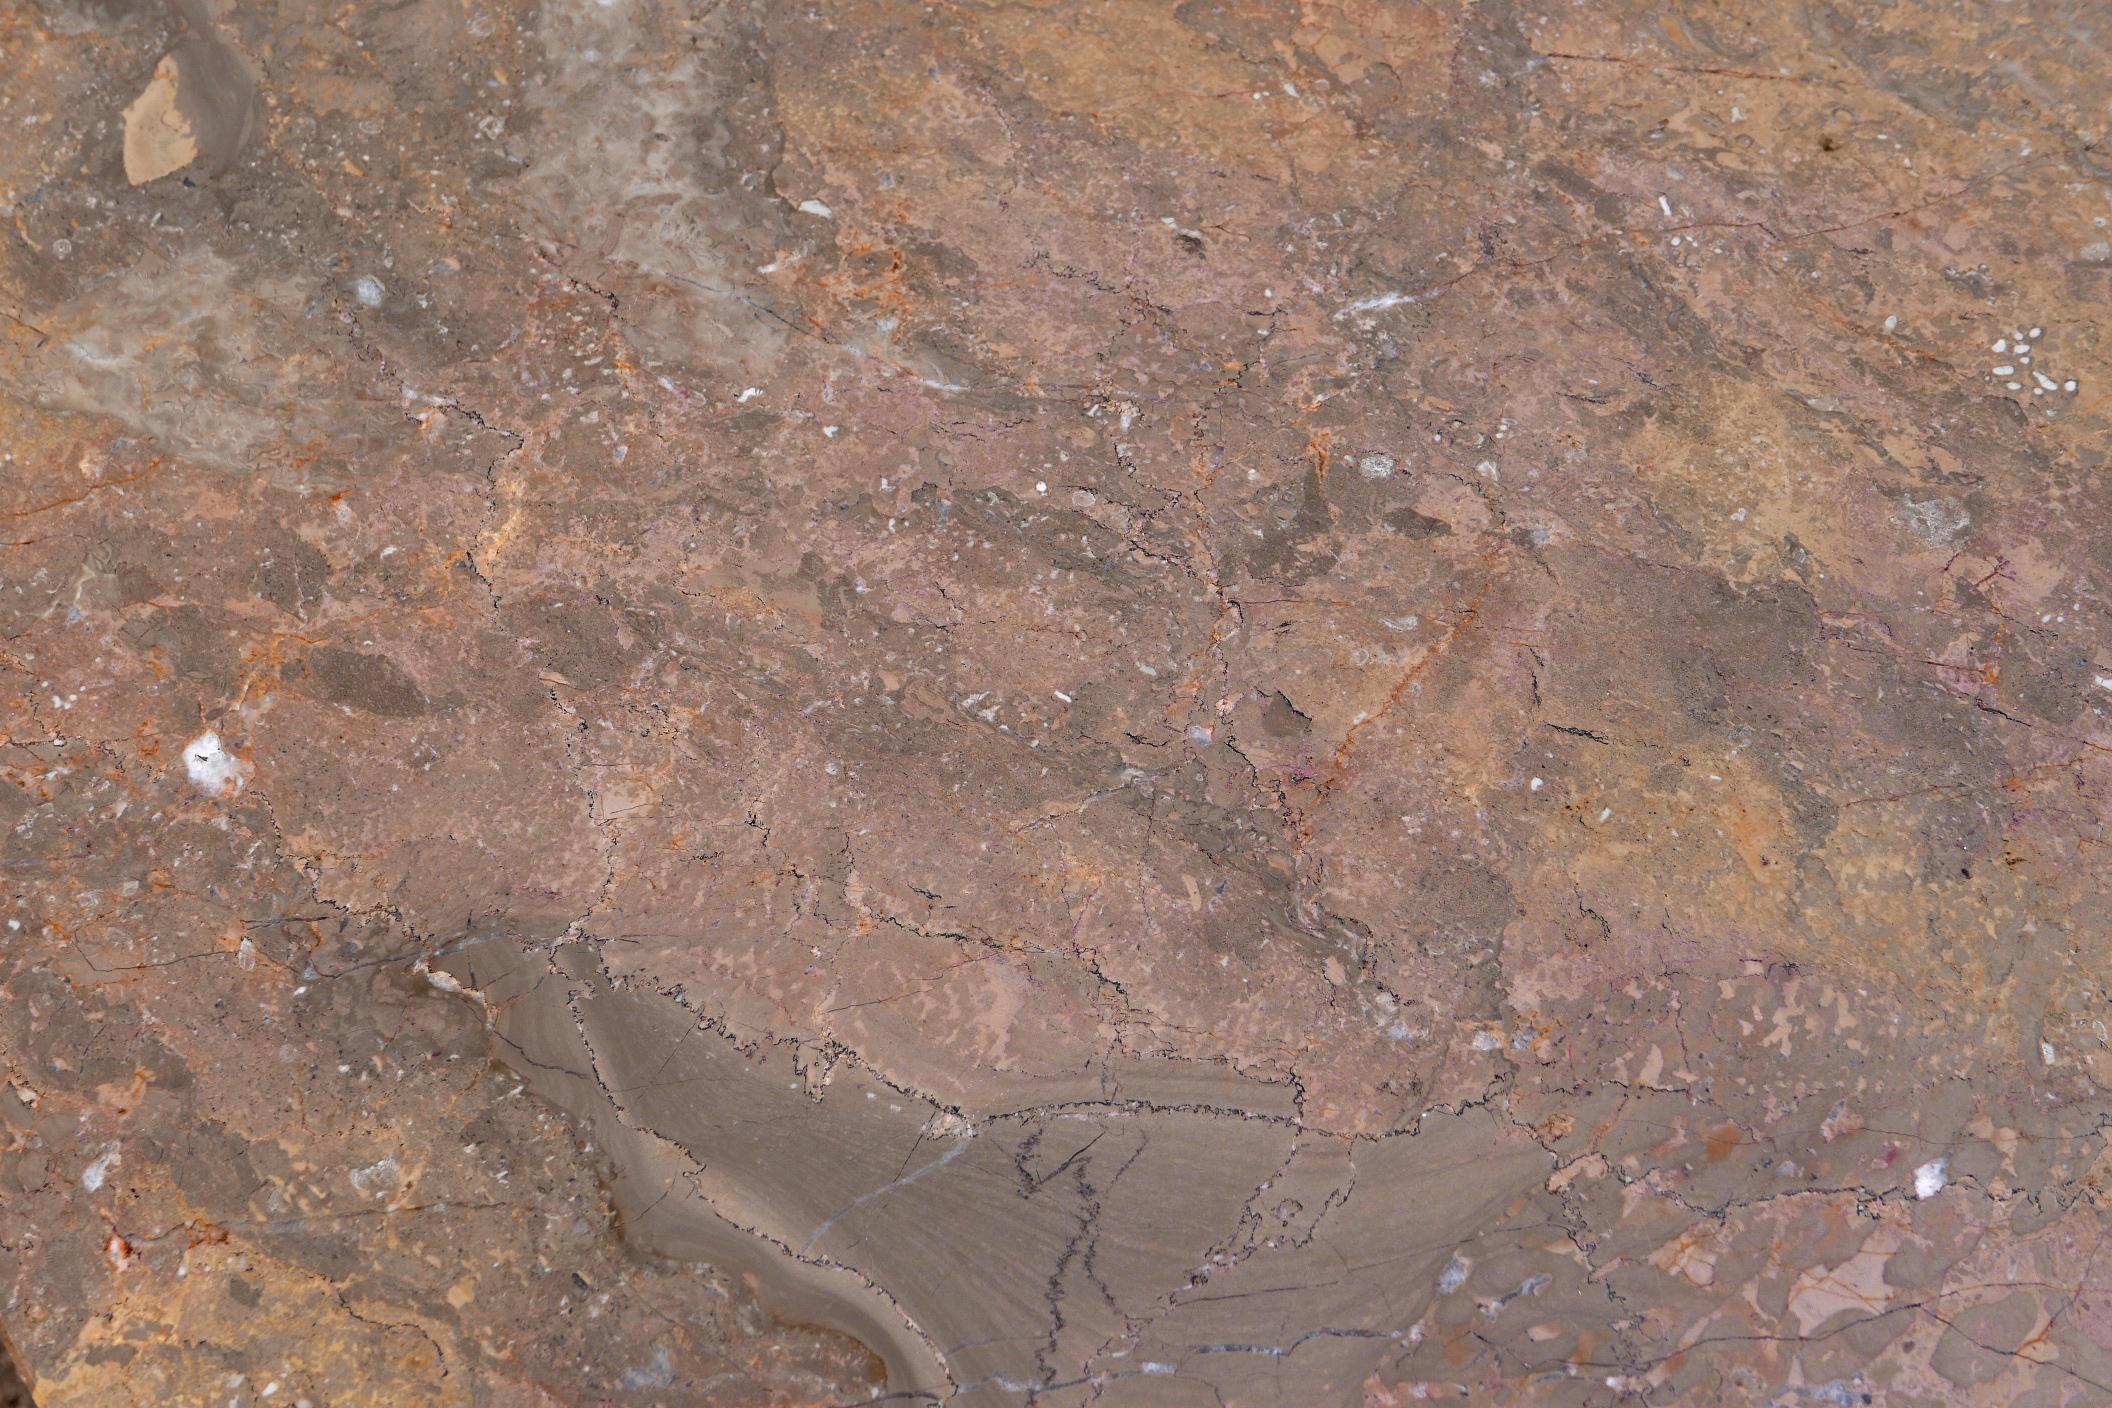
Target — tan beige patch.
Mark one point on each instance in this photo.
(158, 138)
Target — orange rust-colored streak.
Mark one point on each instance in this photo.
(888, 287)
(269, 656)
(1467, 616)
(92, 489)
(1183, 695)
(1316, 446)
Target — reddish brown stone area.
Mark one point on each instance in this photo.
(1262, 704)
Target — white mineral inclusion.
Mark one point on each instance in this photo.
(368, 290)
(1931, 1176)
(92, 1176)
(213, 770)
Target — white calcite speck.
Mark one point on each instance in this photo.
(92, 1176)
(212, 769)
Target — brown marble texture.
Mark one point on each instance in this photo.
(1260, 704)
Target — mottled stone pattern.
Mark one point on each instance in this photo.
(1278, 702)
